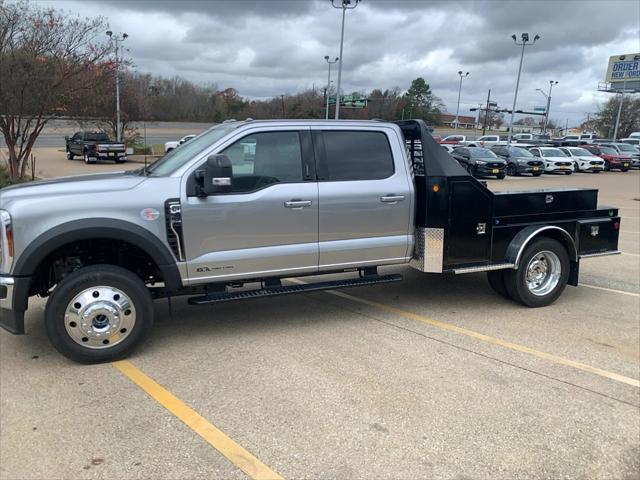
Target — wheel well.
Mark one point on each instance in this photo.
(563, 239)
(81, 253)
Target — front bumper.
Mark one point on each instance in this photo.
(558, 168)
(14, 295)
(490, 171)
(524, 168)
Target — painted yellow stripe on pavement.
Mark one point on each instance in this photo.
(486, 338)
(237, 455)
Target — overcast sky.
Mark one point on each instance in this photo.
(269, 47)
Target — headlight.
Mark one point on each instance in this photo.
(6, 242)
(480, 162)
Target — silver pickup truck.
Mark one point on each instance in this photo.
(237, 210)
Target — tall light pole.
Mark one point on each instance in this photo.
(525, 41)
(344, 5)
(548, 97)
(117, 39)
(455, 130)
(326, 57)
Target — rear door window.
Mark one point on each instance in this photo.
(355, 155)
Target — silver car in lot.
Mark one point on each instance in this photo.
(584, 160)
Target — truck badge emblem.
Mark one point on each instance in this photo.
(595, 230)
(548, 199)
(149, 214)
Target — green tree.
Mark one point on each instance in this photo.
(605, 118)
(421, 101)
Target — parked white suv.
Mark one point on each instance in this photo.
(555, 161)
(583, 160)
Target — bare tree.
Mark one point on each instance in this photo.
(45, 61)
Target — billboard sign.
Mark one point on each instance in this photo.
(623, 68)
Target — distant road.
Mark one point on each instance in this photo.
(157, 132)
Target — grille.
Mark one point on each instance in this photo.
(534, 164)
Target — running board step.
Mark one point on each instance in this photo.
(288, 289)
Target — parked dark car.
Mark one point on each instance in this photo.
(612, 159)
(94, 146)
(480, 161)
(519, 160)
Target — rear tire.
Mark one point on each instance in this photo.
(497, 283)
(98, 314)
(88, 160)
(542, 274)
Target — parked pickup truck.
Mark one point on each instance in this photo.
(573, 140)
(92, 146)
(218, 221)
(532, 138)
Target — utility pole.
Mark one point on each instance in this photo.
(455, 130)
(326, 57)
(486, 113)
(117, 40)
(615, 130)
(525, 40)
(282, 98)
(344, 5)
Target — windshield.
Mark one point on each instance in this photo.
(542, 137)
(520, 152)
(552, 152)
(481, 153)
(608, 151)
(96, 137)
(581, 151)
(625, 148)
(179, 156)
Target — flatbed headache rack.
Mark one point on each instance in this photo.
(462, 226)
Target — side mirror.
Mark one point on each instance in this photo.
(216, 177)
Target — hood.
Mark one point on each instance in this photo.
(590, 158)
(79, 184)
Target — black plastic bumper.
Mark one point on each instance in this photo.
(14, 298)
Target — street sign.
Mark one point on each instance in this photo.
(623, 68)
(350, 101)
(540, 109)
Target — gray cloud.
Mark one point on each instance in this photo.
(265, 48)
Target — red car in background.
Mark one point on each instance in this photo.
(612, 159)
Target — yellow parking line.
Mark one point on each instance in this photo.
(237, 455)
(486, 338)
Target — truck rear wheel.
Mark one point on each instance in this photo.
(87, 159)
(542, 274)
(98, 314)
(496, 281)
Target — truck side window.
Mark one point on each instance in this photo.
(356, 155)
(263, 159)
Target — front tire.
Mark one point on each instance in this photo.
(98, 314)
(512, 171)
(69, 155)
(542, 274)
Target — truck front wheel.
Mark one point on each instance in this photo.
(542, 274)
(69, 155)
(98, 314)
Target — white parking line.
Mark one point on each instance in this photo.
(610, 290)
(631, 254)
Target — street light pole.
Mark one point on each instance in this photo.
(344, 5)
(117, 40)
(326, 57)
(525, 40)
(546, 117)
(615, 130)
(455, 130)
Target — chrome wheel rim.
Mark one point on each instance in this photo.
(100, 317)
(543, 273)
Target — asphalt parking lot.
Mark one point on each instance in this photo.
(433, 377)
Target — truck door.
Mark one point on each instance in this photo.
(365, 194)
(268, 224)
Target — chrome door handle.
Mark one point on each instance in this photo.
(297, 204)
(392, 198)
